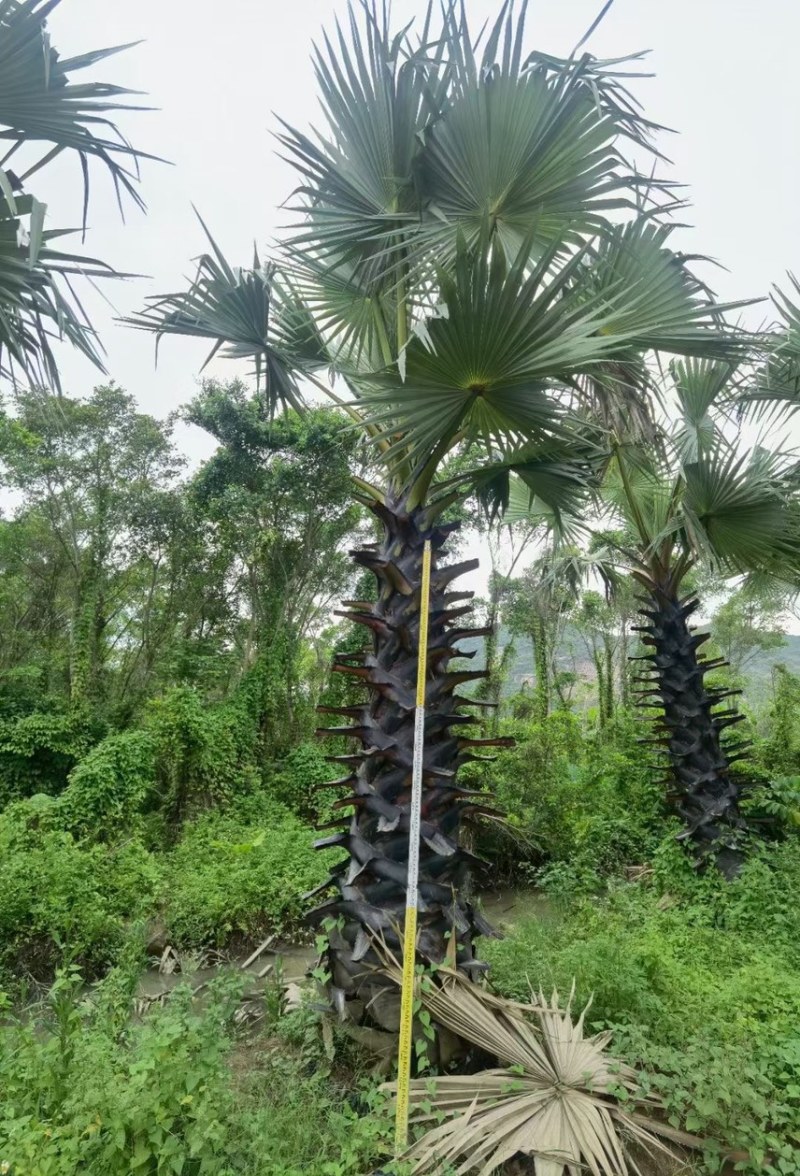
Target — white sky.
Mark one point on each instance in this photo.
(726, 80)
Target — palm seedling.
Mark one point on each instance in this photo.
(469, 244)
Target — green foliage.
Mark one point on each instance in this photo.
(701, 987)
(62, 896)
(204, 754)
(780, 752)
(109, 789)
(37, 752)
(578, 804)
(295, 778)
(240, 873)
(177, 1093)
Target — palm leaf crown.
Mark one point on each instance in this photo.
(702, 495)
(471, 246)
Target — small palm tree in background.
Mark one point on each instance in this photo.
(700, 500)
(473, 259)
(44, 113)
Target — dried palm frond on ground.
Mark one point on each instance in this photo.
(559, 1098)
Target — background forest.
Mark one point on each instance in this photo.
(463, 343)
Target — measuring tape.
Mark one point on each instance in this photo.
(410, 930)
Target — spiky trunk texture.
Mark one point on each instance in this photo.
(371, 880)
(689, 729)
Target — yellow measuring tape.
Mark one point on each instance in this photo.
(410, 931)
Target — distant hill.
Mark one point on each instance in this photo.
(573, 655)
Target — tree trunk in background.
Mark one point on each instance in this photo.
(541, 660)
(703, 792)
(600, 671)
(624, 664)
(371, 880)
(608, 650)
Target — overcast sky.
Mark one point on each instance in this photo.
(726, 81)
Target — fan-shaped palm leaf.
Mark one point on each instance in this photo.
(699, 384)
(555, 1102)
(532, 155)
(774, 392)
(37, 304)
(232, 308)
(40, 102)
(653, 300)
(742, 512)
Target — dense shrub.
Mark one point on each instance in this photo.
(175, 1093)
(62, 895)
(586, 801)
(38, 751)
(111, 787)
(240, 872)
(701, 987)
(204, 754)
(294, 782)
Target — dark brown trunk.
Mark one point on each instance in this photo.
(690, 730)
(370, 881)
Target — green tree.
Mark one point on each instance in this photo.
(93, 476)
(538, 605)
(597, 624)
(87, 472)
(41, 106)
(472, 254)
(748, 623)
(274, 502)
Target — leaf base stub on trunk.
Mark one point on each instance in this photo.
(690, 729)
(369, 884)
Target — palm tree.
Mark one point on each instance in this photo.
(700, 500)
(40, 104)
(471, 244)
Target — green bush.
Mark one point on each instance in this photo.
(240, 872)
(585, 803)
(294, 781)
(111, 787)
(38, 751)
(204, 754)
(701, 986)
(62, 895)
(176, 1093)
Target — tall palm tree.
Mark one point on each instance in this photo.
(471, 245)
(700, 500)
(44, 113)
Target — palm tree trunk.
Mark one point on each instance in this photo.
(371, 880)
(703, 791)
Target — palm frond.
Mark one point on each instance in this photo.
(742, 512)
(39, 101)
(551, 481)
(38, 305)
(699, 385)
(532, 155)
(774, 392)
(233, 309)
(653, 301)
(555, 1100)
(357, 178)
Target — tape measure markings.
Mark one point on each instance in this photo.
(412, 881)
